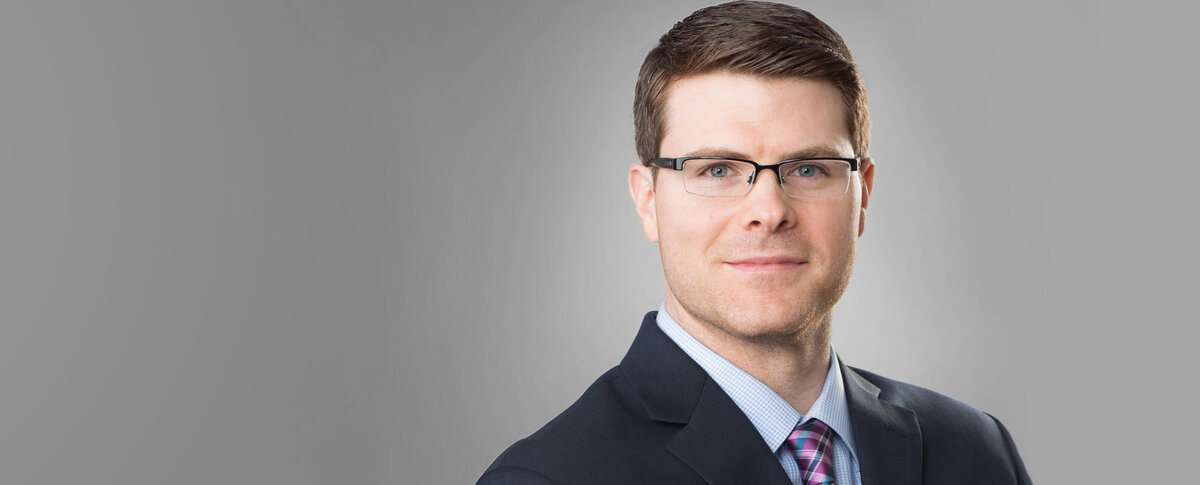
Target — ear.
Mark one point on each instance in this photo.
(641, 188)
(867, 169)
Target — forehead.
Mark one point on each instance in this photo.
(753, 115)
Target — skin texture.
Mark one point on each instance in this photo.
(771, 320)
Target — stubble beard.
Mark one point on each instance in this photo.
(807, 318)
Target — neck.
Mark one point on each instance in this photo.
(794, 367)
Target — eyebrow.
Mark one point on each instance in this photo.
(810, 152)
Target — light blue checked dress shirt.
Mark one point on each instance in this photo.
(771, 415)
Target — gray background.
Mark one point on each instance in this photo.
(299, 242)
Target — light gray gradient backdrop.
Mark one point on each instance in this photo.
(299, 242)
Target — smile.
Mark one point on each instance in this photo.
(766, 265)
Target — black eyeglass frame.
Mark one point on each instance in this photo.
(677, 164)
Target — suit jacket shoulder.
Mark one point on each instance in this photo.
(604, 437)
(958, 442)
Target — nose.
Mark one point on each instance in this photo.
(767, 208)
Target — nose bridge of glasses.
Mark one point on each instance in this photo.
(774, 168)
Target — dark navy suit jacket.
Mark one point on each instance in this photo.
(659, 418)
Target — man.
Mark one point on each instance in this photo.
(752, 129)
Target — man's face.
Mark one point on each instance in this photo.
(762, 266)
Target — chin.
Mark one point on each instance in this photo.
(770, 322)
(778, 312)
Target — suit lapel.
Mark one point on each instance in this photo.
(717, 440)
(887, 437)
(722, 445)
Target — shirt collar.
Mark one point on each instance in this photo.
(773, 417)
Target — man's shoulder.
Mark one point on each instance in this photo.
(933, 409)
(606, 402)
(604, 433)
(954, 435)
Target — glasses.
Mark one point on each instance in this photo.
(806, 178)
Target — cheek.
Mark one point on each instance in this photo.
(834, 225)
(688, 229)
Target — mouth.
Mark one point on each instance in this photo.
(768, 264)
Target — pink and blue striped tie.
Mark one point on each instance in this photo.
(811, 444)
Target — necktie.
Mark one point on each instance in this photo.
(811, 444)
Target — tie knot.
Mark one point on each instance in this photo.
(811, 444)
(814, 426)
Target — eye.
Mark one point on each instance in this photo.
(717, 169)
(807, 170)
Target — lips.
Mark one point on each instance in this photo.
(766, 264)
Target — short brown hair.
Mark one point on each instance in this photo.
(759, 38)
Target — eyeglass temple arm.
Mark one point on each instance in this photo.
(671, 163)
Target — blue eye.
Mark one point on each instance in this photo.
(718, 171)
(807, 171)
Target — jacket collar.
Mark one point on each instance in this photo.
(668, 382)
(888, 437)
